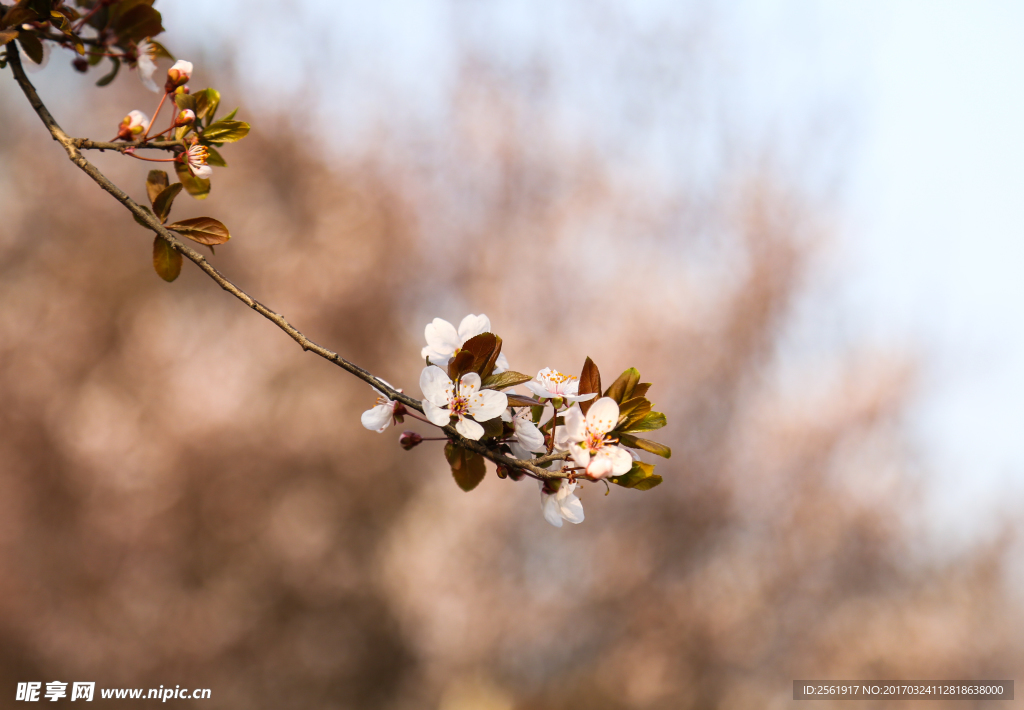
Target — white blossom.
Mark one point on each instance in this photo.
(587, 440)
(444, 400)
(561, 505)
(552, 384)
(196, 158)
(528, 438)
(146, 64)
(443, 339)
(179, 74)
(379, 418)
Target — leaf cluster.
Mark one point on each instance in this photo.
(203, 230)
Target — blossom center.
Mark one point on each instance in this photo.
(459, 405)
(596, 441)
(557, 381)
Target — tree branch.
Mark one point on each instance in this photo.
(72, 146)
(122, 146)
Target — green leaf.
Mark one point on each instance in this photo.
(156, 181)
(468, 467)
(215, 158)
(32, 46)
(649, 422)
(207, 101)
(205, 230)
(59, 20)
(590, 383)
(7, 35)
(640, 390)
(199, 189)
(635, 442)
(505, 379)
(632, 410)
(138, 23)
(231, 115)
(622, 388)
(516, 400)
(185, 101)
(109, 76)
(161, 51)
(492, 428)
(18, 15)
(166, 260)
(641, 477)
(225, 131)
(162, 203)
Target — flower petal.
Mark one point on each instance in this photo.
(528, 435)
(469, 429)
(473, 325)
(486, 404)
(603, 415)
(501, 364)
(538, 389)
(436, 415)
(549, 506)
(575, 425)
(569, 506)
(599, 466)
(469, 384)
(378, 418)
(435, 384)
(620, 458)
(442, 338)
(580, 454)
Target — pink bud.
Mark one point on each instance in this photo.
(409, 439)
(185, 118)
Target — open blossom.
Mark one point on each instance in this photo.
(132, 125)
(379, 418)
(443, 339)
(179, 74)
(587, 440)
(146, 64)
(195, 159)
(528, 438)
(444, 400)
(561, 505)
(552, 384)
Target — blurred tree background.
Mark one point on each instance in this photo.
(186, 498)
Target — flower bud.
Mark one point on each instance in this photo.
(181, 90)
(409, 439)
(178, 75)
(80, 65)
(132, 125)
(184, 118)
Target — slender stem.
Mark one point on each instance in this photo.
(417, 416)
(531, 468)
(152, 160)
(88, 16)
(153, 120)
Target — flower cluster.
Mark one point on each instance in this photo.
(568, 430)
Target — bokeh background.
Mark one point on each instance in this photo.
(796, 219)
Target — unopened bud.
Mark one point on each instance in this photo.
(409, 439)
(80, 65)
(181, 90)
(132, 125)
(178, 75)
(185, 118)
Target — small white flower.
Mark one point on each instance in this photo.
(587, 440)
(443, 339)
(196, 161)
(552, 384)
(379, 417)
(561, 505)
(444, 400)
(179, 74)
(528, 438)
(146, 64)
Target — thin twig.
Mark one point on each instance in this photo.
(71, 146)
(122, 146)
